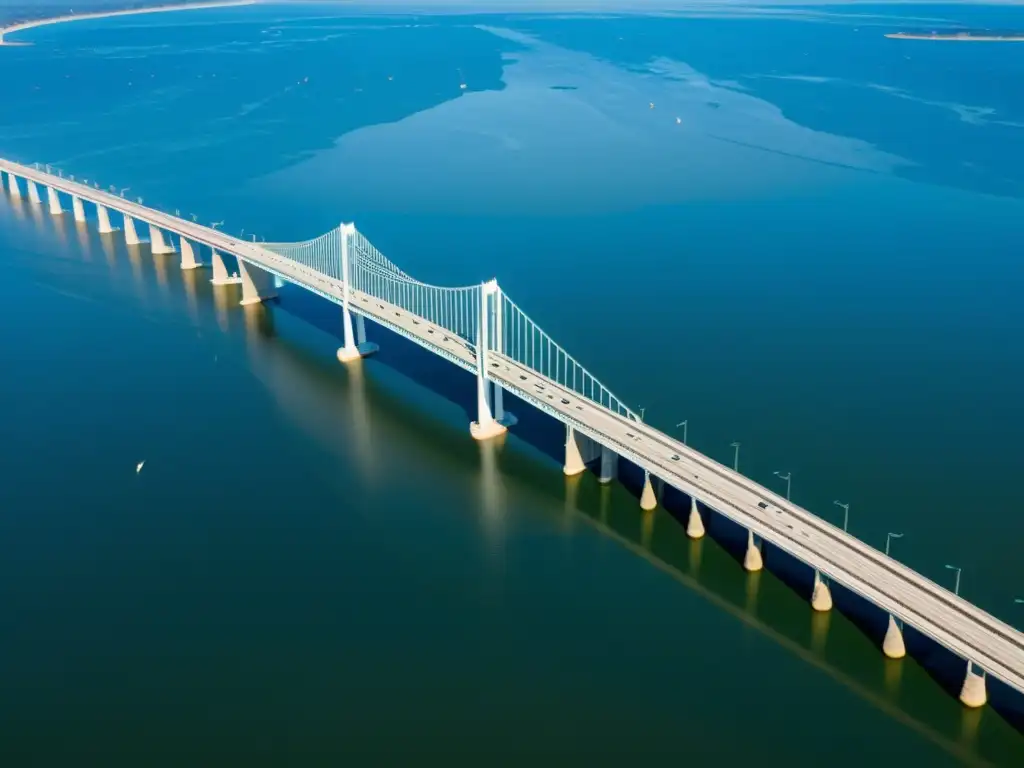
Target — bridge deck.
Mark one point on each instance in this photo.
(931, 609)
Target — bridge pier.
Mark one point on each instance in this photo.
(821, 597)
(609, 465)
(12, 185)
(573, 454)
(188, 255)
(54, 200)
(103, 215)
(157, 244)
(648, 500)
(892, 645)
(220, 270)
(257, 283)
(752, 560)
(973, 693)
(130, 235)
(694, 524)
(77, 208)
(33, 193)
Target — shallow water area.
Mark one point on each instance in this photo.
(781, 226)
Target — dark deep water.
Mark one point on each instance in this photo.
(820, 260)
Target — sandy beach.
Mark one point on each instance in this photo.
(20, 26)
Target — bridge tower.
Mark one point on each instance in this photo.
(355, 346)
(485, 426)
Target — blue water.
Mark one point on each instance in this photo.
(809, 244)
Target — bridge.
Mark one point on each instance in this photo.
(481, 330)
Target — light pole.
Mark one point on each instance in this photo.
(123, 190)
(889, 537)
(846, 513)
(736, 457)
(956, 588)
(194, 217)
(216, 224)
(788, 477)
(684, 425)
(641, 414)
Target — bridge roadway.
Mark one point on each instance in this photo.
(929, 608)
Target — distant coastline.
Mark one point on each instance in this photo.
(23, 25)
(979, 37)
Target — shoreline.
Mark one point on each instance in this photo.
(954, 36)
(23, 25)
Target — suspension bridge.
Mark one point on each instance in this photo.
(482, 330)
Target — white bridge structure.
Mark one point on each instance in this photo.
(483, 331)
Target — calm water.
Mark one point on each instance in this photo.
(819, 258)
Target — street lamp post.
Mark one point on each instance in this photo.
(788, 477)
(216, 224)
(889, 537)
(956, 588)
(684, 425)
(846, 513)
(736, 457)
(642, 409)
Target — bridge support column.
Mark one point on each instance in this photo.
(821, 596)
(973, 693)
(54, 200)
(892, 645)
(257, 284)
(648, 500)
(609, 465)
(188, 255)
(355, 347)
(12, 185)
(752, 560)
(573, 455)
(33, 192)
(694, 524)
(157, 244)
(78, 208)
(103, 215)
(485, 426)
(130, 236)
(220, 270)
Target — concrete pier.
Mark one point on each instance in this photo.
(103, 216)
(752, 560)
(257, 284)
(33, 193)
(973, 693)
(131, 237)
(54, 201)
(648, 499)
(12, 185)
(821, 596)
(157, 243)
(220, 270)
(77, 208)
(609, 465)
(893, 646)
(694, 524)
(573, 453)
(188, 255)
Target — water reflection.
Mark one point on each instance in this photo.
(492, 501)
(751, 590)
(221, 302)
(107, 244)
(84, 238)
(820, 621)
(893, 676)
(696, 552)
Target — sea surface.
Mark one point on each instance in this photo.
(775, 224)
